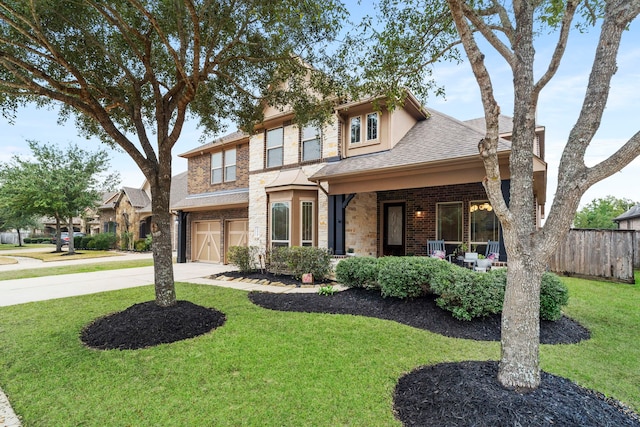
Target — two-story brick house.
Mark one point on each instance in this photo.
(381, 182)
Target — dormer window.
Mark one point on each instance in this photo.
(355, 130)
(370, 128)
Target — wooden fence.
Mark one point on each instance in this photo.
(602, 254)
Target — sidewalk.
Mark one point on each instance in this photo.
(22, 291)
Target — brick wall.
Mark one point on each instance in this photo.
(421, 229)
(199, 180)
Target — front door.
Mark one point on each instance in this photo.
(393, 229)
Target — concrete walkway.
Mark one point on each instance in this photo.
(22, 291)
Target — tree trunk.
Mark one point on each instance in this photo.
(19, 237)
(161, 243)
(519, 366)
(58, 235)
(71, 246)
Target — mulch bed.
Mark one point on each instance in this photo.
(422, 313)
(284, 279)
(147, 324)
(468, 394)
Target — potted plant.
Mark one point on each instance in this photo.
(350, 252)
(483, 262)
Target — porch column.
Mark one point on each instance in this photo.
(337, 207)
(182, 237)
(506, 193)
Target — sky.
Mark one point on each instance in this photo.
(559, 105)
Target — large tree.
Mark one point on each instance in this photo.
(599, 213)
(132, 71)
(419, 33)
(61, 184)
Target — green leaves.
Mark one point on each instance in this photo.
(599, 213)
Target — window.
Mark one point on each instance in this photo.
(449, 222)
(311, 143)
(307, 223)
(216, 168)
(372, 126)
(280, 224)
(230, 165)
(275, 142)
(355, 129)
(484, 225)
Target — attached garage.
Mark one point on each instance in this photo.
(236, 233)
(206, 241)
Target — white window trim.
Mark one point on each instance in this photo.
(484, 242)
(318, 136)
(313, 223)
(459, 203)
(288, 241)
(366, 130)
(227, 165)
(281, 146)
(221, 168)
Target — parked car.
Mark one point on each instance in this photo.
(65, 237)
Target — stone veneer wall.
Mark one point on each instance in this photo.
(361, 224)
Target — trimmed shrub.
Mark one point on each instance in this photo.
(553, 296)
(140, 246)
(405, 277)
(104, 241)
(467, 294)
(26, 240)
(276, 260)
(77, 242)
(358, 272)
(308, 259)
(84, 242)
(244, 257)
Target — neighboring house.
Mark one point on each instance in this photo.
(630, 220)
(380, 182)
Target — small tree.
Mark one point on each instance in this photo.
(599, 213)
(12, 217)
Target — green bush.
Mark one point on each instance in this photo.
(104, 241)
(140, 246)
(467, 294)
(308, 259)
(553, 296)
(244, 257)
(405, 277)
(84, 242)
(26, 240)
(126, 241)
(358, 272)
(77, 242)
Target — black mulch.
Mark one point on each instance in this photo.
(285, 279)
(468, 394)
(147, 324)
(422, 313)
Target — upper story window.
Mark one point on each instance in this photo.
(372, 126)
(216, 168)
(311, 143)
(230, 165)
(355, 130)
(223, 161)
(275, 143)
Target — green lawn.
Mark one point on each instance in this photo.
(52, 256)
(272, 368)
(72, 269)
(11, 247)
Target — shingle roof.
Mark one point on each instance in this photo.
(237, 135)
(634, 212)
(505, 124)
(438, 138)
(109, 200)
(178, 188)
(137, 197)
(238, 196)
